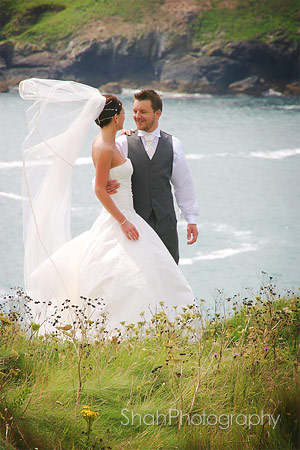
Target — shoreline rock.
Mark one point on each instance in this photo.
(3, 84)
(154, 59)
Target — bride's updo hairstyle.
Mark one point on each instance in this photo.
(112, 106)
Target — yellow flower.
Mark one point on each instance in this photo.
(86, 412)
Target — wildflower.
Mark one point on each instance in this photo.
(266, 348)
(235, 355)
(88, 414)
(215, 355)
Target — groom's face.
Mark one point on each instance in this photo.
(145, 118)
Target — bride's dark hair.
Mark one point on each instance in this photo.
(112, 106)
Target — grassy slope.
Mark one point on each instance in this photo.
(63, 19)
(244, 365)
(248, 19)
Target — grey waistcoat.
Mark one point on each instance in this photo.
(151, 186)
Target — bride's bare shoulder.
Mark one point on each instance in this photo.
(101, 149)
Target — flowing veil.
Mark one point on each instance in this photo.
(58, 121)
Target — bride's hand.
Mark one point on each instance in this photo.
(127, 132)
(112, 186)
(130, 231)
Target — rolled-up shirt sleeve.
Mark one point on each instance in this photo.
(183, 185)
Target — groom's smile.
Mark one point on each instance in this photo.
(145, 118)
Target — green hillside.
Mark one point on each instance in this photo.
(41, 21)
(248, 19)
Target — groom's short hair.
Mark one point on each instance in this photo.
(150, 94)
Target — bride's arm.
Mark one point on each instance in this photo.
(103, 165)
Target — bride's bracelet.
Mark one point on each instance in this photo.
(123, 222)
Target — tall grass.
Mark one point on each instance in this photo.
(201, 381)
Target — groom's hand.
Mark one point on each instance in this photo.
(112, 186)
(192, 233)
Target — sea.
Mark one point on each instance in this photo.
(244, 155)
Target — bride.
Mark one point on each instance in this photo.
(120, 260)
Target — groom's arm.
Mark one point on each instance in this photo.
(184, 191)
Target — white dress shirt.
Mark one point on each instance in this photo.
(181, 178)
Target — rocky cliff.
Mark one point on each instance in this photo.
(162, 59)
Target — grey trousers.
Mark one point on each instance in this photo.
(167, 231)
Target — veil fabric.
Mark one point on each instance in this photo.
(58, 121)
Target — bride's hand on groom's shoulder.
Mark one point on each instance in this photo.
(127, 132)
(130, 231)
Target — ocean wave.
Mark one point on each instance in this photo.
(272, 93)
(10, 164)
(84, 161)
(242, 241)
(219, 254)
(19, 164)
(229, 230)
(166, 94)
(277, 154)
(195, 156)
(186, 261)
(226, 252)
(13, 196)
(220, 228)
(289, 107)
(10, 195)
(87, 160)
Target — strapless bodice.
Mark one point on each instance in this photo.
(122, 173)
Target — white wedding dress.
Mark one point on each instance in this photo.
(129, 276)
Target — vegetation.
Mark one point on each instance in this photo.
(50, 22)
(201, 381)
(248, 19)
(45, 22)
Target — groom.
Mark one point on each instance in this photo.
(158, 159)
